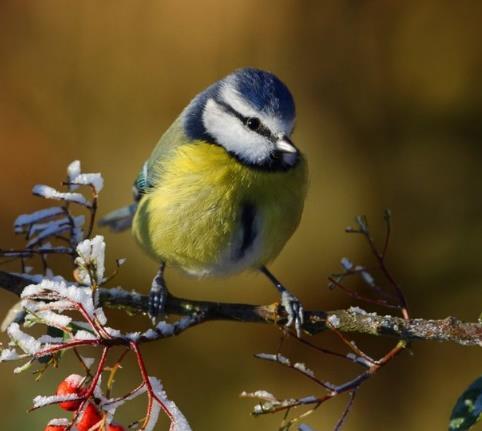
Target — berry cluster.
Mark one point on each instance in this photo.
(90, 418)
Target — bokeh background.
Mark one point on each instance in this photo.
(389, 101)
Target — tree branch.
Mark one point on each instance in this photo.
(353, 320)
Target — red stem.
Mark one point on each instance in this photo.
(145, 377)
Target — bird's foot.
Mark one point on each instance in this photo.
(294, 310)
(157, 298)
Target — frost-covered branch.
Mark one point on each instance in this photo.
(352, 320)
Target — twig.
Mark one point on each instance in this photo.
(346, 410)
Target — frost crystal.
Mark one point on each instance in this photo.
(58, 288)
(41, 401)
(180, 423)
(165, 329)
(48, 192)
(346, 264)
(304, 369)
(84, 335)
(73, 170)
(368, 278)
(50, 318)
(26, 342)
(76, 178)
(275, 358)
(9, 355)
(59, 422)
(262, 394)
(91, 260)
(95, 180)
(55, 227)
(37, 216)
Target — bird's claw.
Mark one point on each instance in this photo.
(294, 310)
(157, 299)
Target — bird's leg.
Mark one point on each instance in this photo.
(289, 302)
(158, 294)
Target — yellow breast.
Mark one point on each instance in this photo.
(194, 218)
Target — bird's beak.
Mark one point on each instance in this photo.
(285, 145)
(288, 151)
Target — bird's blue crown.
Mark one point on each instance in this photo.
(262, 90)
(265, 92)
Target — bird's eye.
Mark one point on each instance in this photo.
(253, 123)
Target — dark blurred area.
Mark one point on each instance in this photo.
(389, 100)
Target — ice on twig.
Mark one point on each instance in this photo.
(47, 339)
(368, 278)
(261, 394)
(84, 335)
(346, 264)
(76, 178)
(59, 422)
(165, 329)
(9, 355)
(90, 260)
(36, 217)
(179, 421)
(48, 192)
(73, 171)
(100, 315)
(41, 400)
(154, 417)
(15, 314)
(304, 427)
(301, 367)
(58, 290)
(278, 357)
(94, 180)
(48, 317)
(25, 341)
(113, 332)
(55, 227)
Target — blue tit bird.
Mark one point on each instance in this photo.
(224, 188)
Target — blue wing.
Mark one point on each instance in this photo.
(143, 182)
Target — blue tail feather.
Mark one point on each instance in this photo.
(120, 219)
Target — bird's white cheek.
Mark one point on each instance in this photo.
(229, 132)
(232, 97)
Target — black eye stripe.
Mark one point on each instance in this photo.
(232, 111)
(261, 130)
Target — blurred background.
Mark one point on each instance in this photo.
(389, 102)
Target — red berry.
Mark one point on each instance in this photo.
(71, 385)
(115, 427)
(57, 425)
(89, 418)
